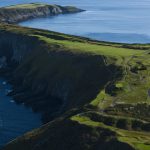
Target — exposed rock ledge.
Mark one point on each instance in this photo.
(22, 12)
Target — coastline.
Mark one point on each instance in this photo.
(23, 12)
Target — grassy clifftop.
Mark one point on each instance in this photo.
(56, 73)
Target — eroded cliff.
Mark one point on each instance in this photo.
(49, 78)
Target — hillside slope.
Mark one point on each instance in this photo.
(96, 93)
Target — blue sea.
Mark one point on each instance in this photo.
(15, 120)
(107, 20)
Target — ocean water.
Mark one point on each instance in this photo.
(15, 120)
(109, 20)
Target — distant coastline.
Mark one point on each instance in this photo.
(23, 12)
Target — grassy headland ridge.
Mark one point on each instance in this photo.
(98, 91)
(22, 12)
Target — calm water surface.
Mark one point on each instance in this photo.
(109, 20)
(15, 119)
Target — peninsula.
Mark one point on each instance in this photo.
(22, 12)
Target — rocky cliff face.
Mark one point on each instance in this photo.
(14, 14)
(49, 78)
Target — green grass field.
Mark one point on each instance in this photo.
(24, 6)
